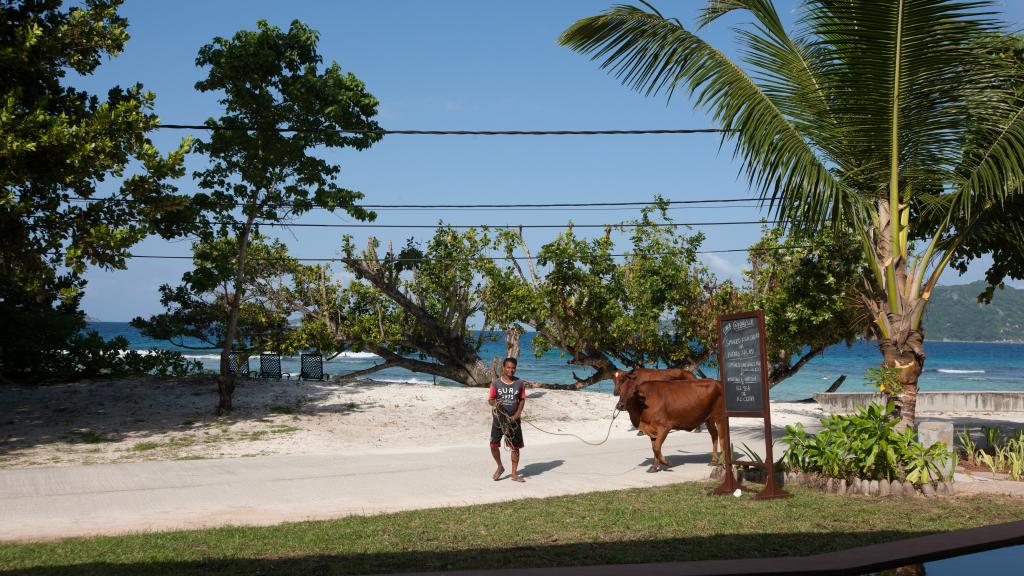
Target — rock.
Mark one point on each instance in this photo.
(853, 487)
(908, 490)
(841, 487)
(930, 432)
(896, 488)
(883, 487)
(928, 490)
(865, 487)
(942, 489)
(873, 488)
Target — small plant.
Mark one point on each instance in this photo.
(282, 410)
(866, 445)
(968, 445)
(992, 436)
(884, 379)
(144, 446)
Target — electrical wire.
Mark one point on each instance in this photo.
(382, 131)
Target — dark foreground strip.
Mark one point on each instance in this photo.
(845, 562)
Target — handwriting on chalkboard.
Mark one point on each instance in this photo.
(741, 364)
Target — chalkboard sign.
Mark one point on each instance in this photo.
(741, 356)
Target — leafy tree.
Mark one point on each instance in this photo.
(279, 106)
(808, 289)
(886, 118)
(198, 311)
(57, 144)
(411, 308)
(657, 306)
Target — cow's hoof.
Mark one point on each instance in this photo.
(639, 433)
(653, 468)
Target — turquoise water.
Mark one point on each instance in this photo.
(950, 365)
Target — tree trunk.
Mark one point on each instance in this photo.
(906, 356)
(226, 380)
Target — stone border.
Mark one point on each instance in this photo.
(865, 487)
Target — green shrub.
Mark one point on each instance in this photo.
(864, 445)
(90, 356)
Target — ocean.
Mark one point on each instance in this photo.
(950, 365)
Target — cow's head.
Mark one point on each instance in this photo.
(620, 378)
(625, 389)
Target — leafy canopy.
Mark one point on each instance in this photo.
(57, 144)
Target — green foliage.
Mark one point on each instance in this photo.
(412, 307)
(655, 306)
(270, 79)
(884, 379)
(893, 120)
(807, 287)
(967, 444)
(1001, 454)
(197, 311)
(866, 444)
(58, 142)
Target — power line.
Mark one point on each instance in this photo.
(473, 206)
(492, 258)
(504, 226)
(382, 131)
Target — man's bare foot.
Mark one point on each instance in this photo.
(518, 479)
(498, 473)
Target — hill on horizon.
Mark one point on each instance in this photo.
(955, 314)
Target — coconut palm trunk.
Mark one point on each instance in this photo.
(888, 119)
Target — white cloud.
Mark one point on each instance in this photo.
(723, 268)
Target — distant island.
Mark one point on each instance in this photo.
(955, 314)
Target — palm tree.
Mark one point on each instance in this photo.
(887, 118)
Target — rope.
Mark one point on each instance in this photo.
(506, 425)
(615, 414)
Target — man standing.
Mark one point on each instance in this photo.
(507, 398)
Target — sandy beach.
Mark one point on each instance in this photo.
(143, 419)
(140, 419)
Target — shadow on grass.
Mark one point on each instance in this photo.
(723, 547)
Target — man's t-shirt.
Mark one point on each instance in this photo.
(508, 395)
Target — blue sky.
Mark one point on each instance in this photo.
(460, 65)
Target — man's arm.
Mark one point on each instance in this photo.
(492, 396)
(522, 403)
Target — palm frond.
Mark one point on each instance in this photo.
(651, 55)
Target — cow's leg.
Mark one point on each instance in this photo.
(713, 430)
(655, 466)
(656, 443)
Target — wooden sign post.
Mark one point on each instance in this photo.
(743, 370)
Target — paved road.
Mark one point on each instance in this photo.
(44, 503)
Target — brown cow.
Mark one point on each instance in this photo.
(661, 406)
(638, 375)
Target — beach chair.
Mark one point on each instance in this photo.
(311, 367)
(270, 365)
(239, 365)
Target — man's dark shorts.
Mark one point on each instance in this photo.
(515, 431)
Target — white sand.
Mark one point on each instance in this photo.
(136, 419)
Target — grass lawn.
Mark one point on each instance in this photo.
(660, 524)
